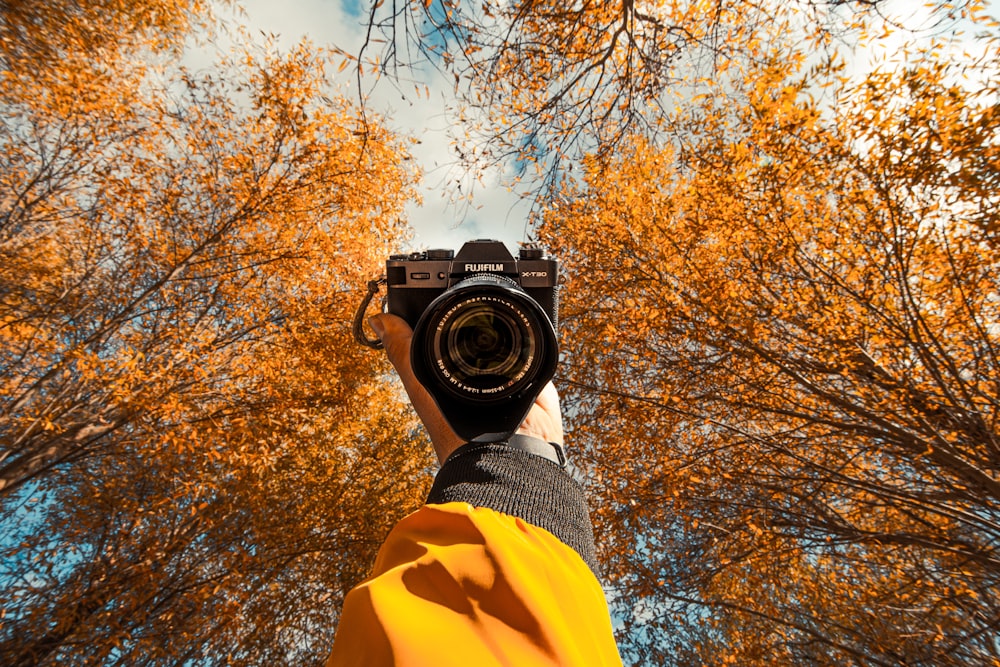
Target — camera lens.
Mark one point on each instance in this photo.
(483, 340)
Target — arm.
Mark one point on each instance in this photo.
(497, 568)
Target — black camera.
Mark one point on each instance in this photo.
(484, 330)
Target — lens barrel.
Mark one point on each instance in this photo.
(484, 340)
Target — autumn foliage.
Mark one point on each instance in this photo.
(783, 359)
(780, 323)
(782, 312)
(196, 461)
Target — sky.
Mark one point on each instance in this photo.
(492, 211)
(439, 220)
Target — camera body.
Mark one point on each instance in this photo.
(484, 330)
(414, 280)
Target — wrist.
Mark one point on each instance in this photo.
(550, 451)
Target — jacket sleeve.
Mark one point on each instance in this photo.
(496, 569)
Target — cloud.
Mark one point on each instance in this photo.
(456, 206)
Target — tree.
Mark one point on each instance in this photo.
(781, 310)
(541, 84)
(68, 55)
(782, 350)
(196, 462)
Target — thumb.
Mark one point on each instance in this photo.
(395, 335)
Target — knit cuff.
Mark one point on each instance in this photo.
(522, 485)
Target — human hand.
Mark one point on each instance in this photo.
(544, 420)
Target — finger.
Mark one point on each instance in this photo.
(396, 337)
(548, 399)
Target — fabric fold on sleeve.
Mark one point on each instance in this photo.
(521, 485)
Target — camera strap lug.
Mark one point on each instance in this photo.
(359, 316)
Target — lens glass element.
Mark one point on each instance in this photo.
(484, 345)
(484, 340)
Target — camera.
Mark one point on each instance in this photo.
(484, 330)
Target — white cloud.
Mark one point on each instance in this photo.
(444, 218)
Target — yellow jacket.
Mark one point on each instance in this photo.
(472, 586)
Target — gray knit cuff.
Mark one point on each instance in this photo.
(522, 485)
